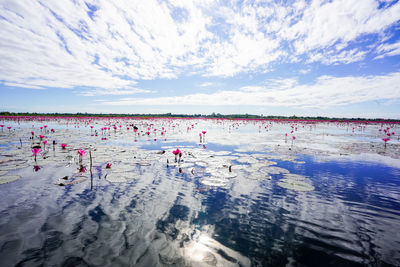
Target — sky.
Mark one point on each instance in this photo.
(338, 58)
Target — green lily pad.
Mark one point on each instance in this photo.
(292, 176)
(258, 176)
(273, 170)
(72, 181)
(295, 185)
(116, 177)
(221, 172)
(214, 181)
(8, 178)
(13, 167)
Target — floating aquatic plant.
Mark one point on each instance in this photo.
(296, 185)
(8, 178)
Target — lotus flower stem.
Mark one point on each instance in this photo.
(81, 153)
(90, 155)
(385, 140)
(204, 136)
(35, 151)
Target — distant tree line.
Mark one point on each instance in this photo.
(212, 115)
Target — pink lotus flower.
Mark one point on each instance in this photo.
(36, 151)
(41, 137)
(385, 140)
(108, 166)
(63, 146)
(176, 152)
(81, 152)
(52, 130)
(204, 136)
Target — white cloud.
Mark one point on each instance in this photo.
(206, 84)
(113, 44)
(23, 85)
(344, 57)
(327, 91)
(100, 92)
(324, 24)
(305, 71)
(388, 50)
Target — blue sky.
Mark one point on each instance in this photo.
(316, 58)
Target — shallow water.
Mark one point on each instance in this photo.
(245, 195)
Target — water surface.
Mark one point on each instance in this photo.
(245, 196)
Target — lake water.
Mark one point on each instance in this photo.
(243, 195)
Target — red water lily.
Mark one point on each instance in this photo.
(385, 140)
(36, 151)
